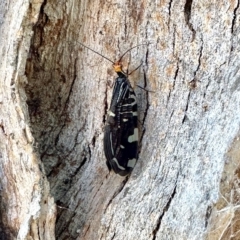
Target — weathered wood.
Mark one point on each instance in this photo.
(27, 209)
(190, 123)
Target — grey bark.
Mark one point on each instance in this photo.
(54, 99)
(27, 211)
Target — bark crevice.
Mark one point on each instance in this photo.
(199, 63)
(234, 16)
(116, 193)
(187, 14)
(165, 209)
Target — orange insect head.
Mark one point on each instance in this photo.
(117, 66)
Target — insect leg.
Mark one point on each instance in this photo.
(136, 68)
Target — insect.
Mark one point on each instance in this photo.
(121, 129)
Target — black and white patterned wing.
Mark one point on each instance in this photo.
(121, 130)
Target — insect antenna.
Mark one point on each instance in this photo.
(135, 69)
(119, 61)
(95, 52)
(131, 49)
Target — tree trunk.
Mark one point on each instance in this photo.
(54, 99)
(27, 210)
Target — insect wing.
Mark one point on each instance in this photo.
(121, 131)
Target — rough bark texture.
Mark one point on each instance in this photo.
(54, 99)
(27, 211)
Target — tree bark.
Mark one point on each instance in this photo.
(26, 207)
(54, 99)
